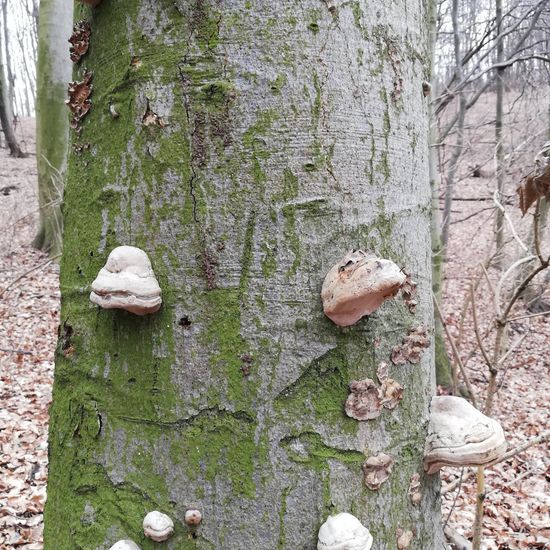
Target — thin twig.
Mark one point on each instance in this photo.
(476, 329)
(511, 349)
(18, 351)
(545, 436)
(529, 316)
(456, 354)
(505, 275)
(455, 499)
(23, 275)
(509, 221)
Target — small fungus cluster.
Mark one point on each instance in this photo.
(79, 102)
(80, 40)
(159, 527)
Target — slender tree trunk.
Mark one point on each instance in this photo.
(9, 68)
(255, 143)
(6, 116)
(442, 362)
(459, 140)
(499, 146)
(52, 122)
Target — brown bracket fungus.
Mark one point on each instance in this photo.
(357, 285)
(412, 348)
(363, 403)
(404, 539)
(157, 526)
(460, 435)
(343, 532)
(125, 545)
(377, 469)
(80, 40)
(127, 282)
(391, 393)
(415, 491)
(193, 518)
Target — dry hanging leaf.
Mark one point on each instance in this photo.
(537, 185)
(412, 348)
(377, 469)
(363, 403)
(80, 40)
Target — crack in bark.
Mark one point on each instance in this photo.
(211, 412)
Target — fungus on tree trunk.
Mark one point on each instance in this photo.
(357, 285)
(127, 282)
(343, 532)
(125, 545)
(460, 435)
(157, 526)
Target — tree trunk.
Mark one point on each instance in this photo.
(6, 116)
(53, 73)
(443, 372)
(499, 145)
(255, 144)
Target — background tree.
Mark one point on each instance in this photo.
(246, 146)
(52, 122)
(6, 116)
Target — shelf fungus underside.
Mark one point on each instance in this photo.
(460, 435)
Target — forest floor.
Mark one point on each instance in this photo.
(518, 497)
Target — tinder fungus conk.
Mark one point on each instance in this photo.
(357, 285)
(157, 526)
(125, 545)
(127, 282)
(343, 532)
(460, 435)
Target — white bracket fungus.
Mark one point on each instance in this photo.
(125, 545)
(460, 435)
(127, 282)
(157, 526)
(357, 285)
(343, 532)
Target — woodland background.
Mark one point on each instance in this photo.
(490, 95)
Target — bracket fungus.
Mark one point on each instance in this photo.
(125, 545)
(343, 532)
(127, 282)
(157, 526)
(460, 435)
(357, 285)
(412, 348)
(377, 469)
(415, 491)
(363, 403)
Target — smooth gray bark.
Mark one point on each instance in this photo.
(255, 144)
(53, 72)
